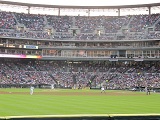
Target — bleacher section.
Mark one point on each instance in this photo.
(123, 76)
(86, 28)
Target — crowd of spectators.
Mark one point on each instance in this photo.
(120, 76)
(140, 22)
(34, 26)
(7, 21)
(60, 23)
(31, 21)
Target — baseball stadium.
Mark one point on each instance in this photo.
(79, 62)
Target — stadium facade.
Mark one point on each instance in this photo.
(118, 52)
(118, 38)
(98, 41)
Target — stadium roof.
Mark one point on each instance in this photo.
(78, 6)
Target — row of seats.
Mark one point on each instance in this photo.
(120, 76)
(125, 27)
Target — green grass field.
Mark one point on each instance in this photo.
(18, 102)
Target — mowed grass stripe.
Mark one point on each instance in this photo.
(137, 104)
(55, 105)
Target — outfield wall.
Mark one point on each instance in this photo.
(48, 86)
(87, 117)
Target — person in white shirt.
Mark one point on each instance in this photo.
(102, 89)
(52, 86)
(31, 90)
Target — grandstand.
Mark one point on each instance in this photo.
(122, 52)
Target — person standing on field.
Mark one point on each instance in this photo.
(52, 86)
(147, 89)
(31, 90)
(102, 89)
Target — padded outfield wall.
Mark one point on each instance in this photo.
(87, 117)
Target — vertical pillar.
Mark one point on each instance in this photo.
(119, 13)
(59, 11)
(29, 9)
(149, 10)
(89, 12)
(126, 54)
(150, 53)
(6, 51)
(42, 53)
(86, 54)
(142, 54)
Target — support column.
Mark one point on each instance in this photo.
(29, 8)
(149, 10)
(59, 11)
(88, 12)
(119, 13)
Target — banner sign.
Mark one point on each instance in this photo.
(20, 56)
(30, 47)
